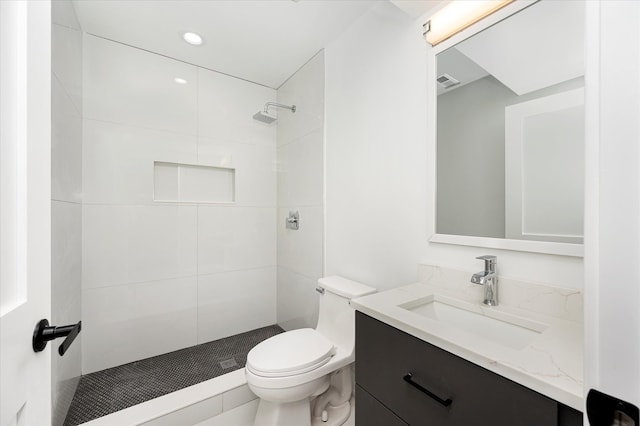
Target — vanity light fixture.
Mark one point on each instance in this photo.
(180, 80)
(192, 38)
(458, 15)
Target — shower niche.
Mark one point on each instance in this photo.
(188, 183)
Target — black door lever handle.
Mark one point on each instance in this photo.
(43, 333)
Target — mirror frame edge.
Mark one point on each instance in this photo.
(559, 249)
(553, 248)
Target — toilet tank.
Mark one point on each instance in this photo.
(336, 319)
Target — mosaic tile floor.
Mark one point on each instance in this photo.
(114, 389)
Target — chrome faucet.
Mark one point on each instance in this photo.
(489, 279)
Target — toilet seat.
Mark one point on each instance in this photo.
(290, 353)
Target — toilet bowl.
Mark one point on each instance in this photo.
(288, 370)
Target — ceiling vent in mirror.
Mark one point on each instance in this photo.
(446, 81)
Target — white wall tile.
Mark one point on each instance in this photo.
(207, 184)
(297, 300)
(64, 390)
(305, 90)
(166, 181)
(191, 183)
(234, 302)
(66, 146)
(66, 61)
(126, 85)
(301, 188)
(301, 171)
(135, 321)
(63, 13)
(118, 160)
(66, 254)
(66, 370)
(226, 106)
(301, 250)
(135, 115)
(255, 166)
(232, 238)
(124, 244)
(66, 195)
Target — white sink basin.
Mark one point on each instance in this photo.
(487, 323)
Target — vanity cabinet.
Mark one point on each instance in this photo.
(402, 380)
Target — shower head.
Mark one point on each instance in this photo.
(264, 116)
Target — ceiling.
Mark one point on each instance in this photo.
(518, 54)
(536, 48)
(263, 41)
(418, 8)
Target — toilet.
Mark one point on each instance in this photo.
(288, 370)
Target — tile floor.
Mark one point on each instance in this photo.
(114, 389)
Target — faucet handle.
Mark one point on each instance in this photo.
(490, 262)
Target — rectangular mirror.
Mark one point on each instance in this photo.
(510, 128)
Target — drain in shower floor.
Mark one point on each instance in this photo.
(228, 363)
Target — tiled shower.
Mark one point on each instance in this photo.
(172, 203)
(195, 271)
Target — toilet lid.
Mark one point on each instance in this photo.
(293, 352)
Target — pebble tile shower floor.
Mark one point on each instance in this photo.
(117, 388)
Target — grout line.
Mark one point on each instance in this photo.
(301, 66)
(133, 283)
(68, 27)
(180, 60)
(213, 139)
(197, 274)
(137, 126)
(78, 112)
(198, 116)
(67, 201)
(178, 204)
(230, 271)
(318, 129)
(299, 274)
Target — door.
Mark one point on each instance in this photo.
(25, 219)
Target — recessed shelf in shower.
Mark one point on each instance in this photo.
(189, 183)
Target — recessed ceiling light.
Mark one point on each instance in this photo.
(192, 38)
(180, 80)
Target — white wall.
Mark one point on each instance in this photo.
(380, 163)
(375, 149)
(561, 271)
(471, 144)
(66, 199)
(157, 276)
(471, 157)
(301, 188)
(612, 282)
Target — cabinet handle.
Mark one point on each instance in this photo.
(409, 379)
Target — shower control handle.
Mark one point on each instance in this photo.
(293, 221)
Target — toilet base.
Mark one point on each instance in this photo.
(296, 413)
(337, 416)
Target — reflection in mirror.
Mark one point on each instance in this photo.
(510, 120)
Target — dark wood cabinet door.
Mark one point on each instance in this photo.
(385, 355)
(369, 411)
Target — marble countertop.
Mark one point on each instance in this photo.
(550, 364)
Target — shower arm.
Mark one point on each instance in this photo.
(277, 105)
